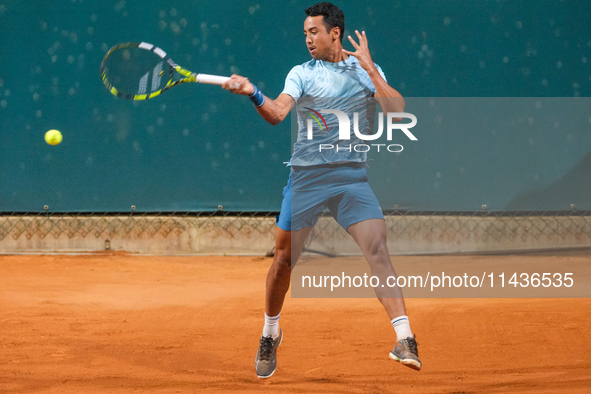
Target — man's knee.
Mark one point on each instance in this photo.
(376, 248)
(282, 259)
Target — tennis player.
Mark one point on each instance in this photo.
(333, 72)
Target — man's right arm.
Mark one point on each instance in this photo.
(273, 111)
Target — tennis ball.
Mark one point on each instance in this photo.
(53, 137)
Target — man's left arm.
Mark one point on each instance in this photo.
(389, 98)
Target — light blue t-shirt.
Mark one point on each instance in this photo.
(317, 85)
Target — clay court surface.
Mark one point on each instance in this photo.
(121, 323)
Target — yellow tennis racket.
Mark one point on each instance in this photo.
(141, 71)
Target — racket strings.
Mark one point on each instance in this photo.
(136, 71)
(157, 76)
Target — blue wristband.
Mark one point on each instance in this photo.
(257, 97)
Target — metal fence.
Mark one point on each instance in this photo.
(114, 224)
(220, 232)
(451, 232)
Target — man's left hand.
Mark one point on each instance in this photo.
(362, 52)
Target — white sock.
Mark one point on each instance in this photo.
(402, 327)
(271, 326)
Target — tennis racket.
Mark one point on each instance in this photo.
(141, 71)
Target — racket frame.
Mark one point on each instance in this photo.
(189, 76)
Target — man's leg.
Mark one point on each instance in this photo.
(371, 235)
(279, 275)
(288, 247)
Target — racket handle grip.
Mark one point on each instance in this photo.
(210, 79)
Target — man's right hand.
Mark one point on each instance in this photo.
(239, 85)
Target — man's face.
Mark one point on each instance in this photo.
(318, 40)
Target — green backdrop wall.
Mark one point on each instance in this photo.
(197, 147)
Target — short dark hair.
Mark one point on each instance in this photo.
(333, 16)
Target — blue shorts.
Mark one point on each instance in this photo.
(342, 189)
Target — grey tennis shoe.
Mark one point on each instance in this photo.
(265, 362)
(405, 352)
